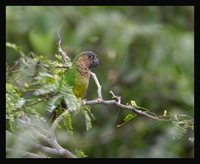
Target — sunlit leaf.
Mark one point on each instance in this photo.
(80, 154)
(165, 113)
(133, 103)
(128, 118)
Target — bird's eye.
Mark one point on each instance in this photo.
(90, 56)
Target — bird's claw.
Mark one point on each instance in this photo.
(98, 100)
(84, 101)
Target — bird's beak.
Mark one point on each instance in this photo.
(95, 62)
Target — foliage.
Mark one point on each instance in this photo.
(88, 115)
(37, 80)
(145, 52)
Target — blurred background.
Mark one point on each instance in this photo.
(146, 54)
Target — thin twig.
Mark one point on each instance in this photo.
(117, 97)
(64, 54)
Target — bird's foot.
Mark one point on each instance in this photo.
(84, 101)
(98, 99)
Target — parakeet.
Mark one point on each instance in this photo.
(77, 76)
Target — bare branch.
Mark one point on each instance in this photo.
(66, 58)
(63, 152)
(98, 85)
(126, 107)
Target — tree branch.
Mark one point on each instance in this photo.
(126, 107)
(63, 152)
(117, 103)
(52, 140)
(49, 137)
(98, 85)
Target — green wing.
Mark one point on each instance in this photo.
(77, 81)
(69, 76)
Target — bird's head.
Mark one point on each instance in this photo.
(86, 60)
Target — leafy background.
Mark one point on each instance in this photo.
(146, 54)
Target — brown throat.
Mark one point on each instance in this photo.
(83, 72)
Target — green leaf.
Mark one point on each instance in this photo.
(45, 90)
(27, 71)
(69, 98)
(68, 123)
(128, 118)
(88, 115)
(133, 103)
(80, 154)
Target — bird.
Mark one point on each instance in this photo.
(77, 77)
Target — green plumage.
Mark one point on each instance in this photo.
(77, 81)
(77, 76)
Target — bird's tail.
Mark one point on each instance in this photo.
(56, 112)
(51, 117)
